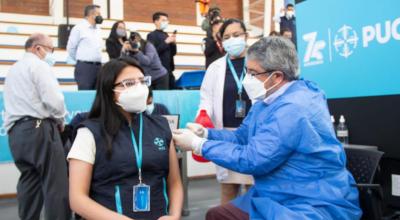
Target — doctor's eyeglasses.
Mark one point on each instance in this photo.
(253, 73)
(127, 83)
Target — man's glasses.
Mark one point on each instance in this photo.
(253, 73)
(127, 83)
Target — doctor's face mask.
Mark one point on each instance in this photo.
(255, 84)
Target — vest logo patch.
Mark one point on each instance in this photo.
(160, 143)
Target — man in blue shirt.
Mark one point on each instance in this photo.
(286, 142)
(84, 46)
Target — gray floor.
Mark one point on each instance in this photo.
(203, 194)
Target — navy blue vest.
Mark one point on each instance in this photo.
(121, 169)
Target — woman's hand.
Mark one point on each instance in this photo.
(169, 217)
(126, 46)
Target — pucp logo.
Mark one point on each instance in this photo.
(345, 41)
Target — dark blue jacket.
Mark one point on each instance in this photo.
(165, 51)
(120, 170)
(291, 25)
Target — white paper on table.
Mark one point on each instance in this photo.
(395, 185)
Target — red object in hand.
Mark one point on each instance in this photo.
(204, 120)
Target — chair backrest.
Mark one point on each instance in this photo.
(362, 163)
(191, 79)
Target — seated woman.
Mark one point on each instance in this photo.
(155, 108)
(122, 164)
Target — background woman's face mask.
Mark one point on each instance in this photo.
(134, 99)
(121, 32)
(234, 46)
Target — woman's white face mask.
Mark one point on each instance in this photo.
(255, 88)
(234, 46)
(134, 99)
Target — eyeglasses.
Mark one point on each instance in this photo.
(51, 48)
(253, 73)
(127, 83)
(236, 34)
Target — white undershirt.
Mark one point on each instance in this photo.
(84, 146)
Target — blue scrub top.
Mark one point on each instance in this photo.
(290, 148)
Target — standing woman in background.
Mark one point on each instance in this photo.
(117, 43)
(223, 97)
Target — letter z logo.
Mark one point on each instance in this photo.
(313, 54)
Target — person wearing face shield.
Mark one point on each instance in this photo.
(85, 47)
(123, 164)
(224, 98)
(286, 142)
(34, 117)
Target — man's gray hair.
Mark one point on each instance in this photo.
(276, 53)
(89, 9)
(35, 39)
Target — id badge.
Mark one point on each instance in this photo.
(240, 110)
(141, 198)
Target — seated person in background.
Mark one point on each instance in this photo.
(78, 118)
(286, 33)
(122, 164)
(155, 108)
(274, 33)
(146, 54)
(117, 43)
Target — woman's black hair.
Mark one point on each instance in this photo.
(113, 34)
(143, 42)
(150, 92)
(104, 108)
(229, 22)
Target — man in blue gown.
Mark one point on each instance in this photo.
(287, 142)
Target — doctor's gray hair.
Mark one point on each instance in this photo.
(276, 53)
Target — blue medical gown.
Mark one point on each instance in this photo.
(290, 148)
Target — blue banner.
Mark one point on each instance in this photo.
(182, 102)
(350, 48)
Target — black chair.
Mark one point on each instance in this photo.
(362, 164)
